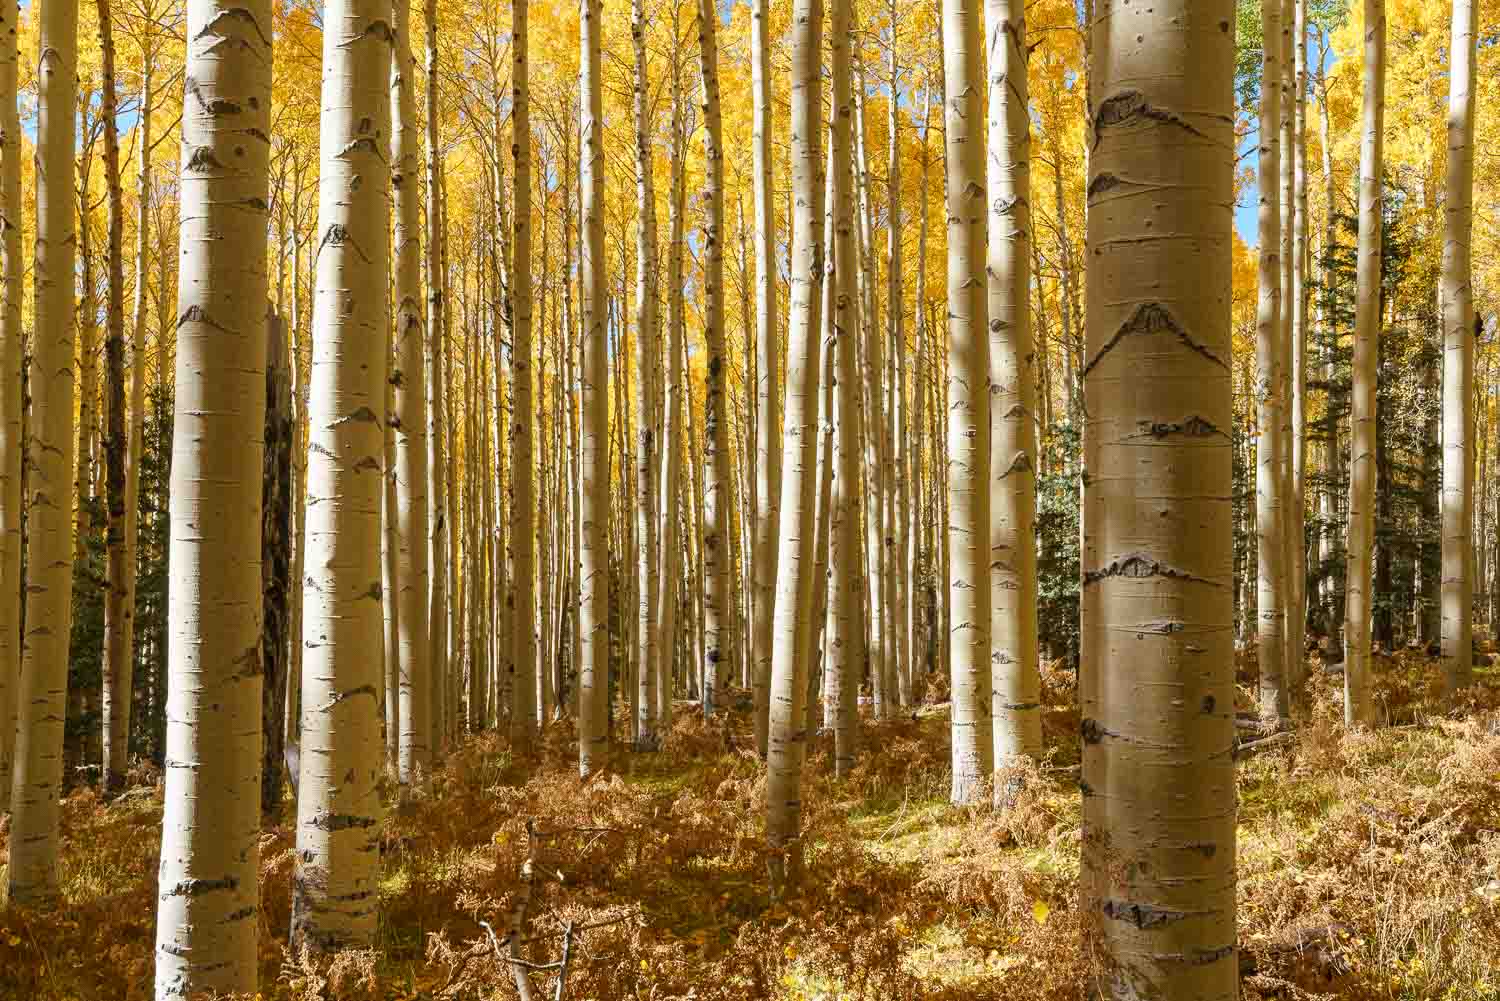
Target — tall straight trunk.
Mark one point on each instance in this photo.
(647, 340)
(1296, 623)
(1157, 692)
(916, 530)
(1359, 597)
(898, 499)
(424, 744)
(119, 618)
(1016, 703)
(338, 799)
(847, 640)
(768, 378)
(968, 401)
(1460, 329)
(390, 575)
(1270, 364)
(12, 270)
(41, 696)
(206, 912)
(411, 723)
(718, 487)
(593, 564)
(526, 695)
(794, 587)
(1287, 211)
(670, 488)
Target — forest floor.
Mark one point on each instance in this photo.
(1369, 868)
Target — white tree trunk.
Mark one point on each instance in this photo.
(338, 801)
(206, 918)
(1157, 690)
(968, 401)
(41, 695)
(12, 271)
(1459, 335)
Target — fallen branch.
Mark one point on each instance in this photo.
(1245, 750)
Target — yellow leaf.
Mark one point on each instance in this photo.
(13, 940)
(790, 952)
(1039, 912)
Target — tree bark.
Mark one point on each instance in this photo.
(1157, 684)
(968, 410)
(334, 901)
(438, 521)
(1016, 703)
(276, 562)
(794, 586)
(1359, 598)
(206, 918)
(1460, 328)
(12, 351)
(41, 696)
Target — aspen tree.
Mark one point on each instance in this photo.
(1157, 700)
(426, 706)
(968, 401)
(1296, 530)
(1290, 522)
(718, 488)
(1270, 362)
(41, 694)
(794, 585)
(1016, 703)
(118, 618)
(1359, 598)
(1458, 356)
(12, 271)
(768, 376)
(206, 917)
(593, 568)
(524, 691)
(414, 643)
(670, 554)
(647, 340)
(338, 802)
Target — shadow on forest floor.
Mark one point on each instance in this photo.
(1369, 867)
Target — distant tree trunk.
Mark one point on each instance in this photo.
(41, 696)
(207, 907)
(593, 608)
(1293, 303)
(409, 726)
(1270, 364)
(275, 562)
(526, 694)
(334, 902)
(1459, 330)
(119, 616)
(916, 531)
(1016, 704)
(898, 499)
(794, 586)
(12, 350)
(1156, 688)
(968, 401)
(1359, 598)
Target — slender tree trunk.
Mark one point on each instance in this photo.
(1270, 362)
(794, 587)
(1296, 524)
(968, 401)
(119, 618)
(338, 801)
(593, 607)
(1157, 688)
(718, 488)
(411, 724)
(1359, 598)
(424, 745)
(41, 696)
(1460, 328)
(12, 351)
(206, 912)
(670, 489)
(899, 498)
(276, 562)
(916, 532)
(1016, 703)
